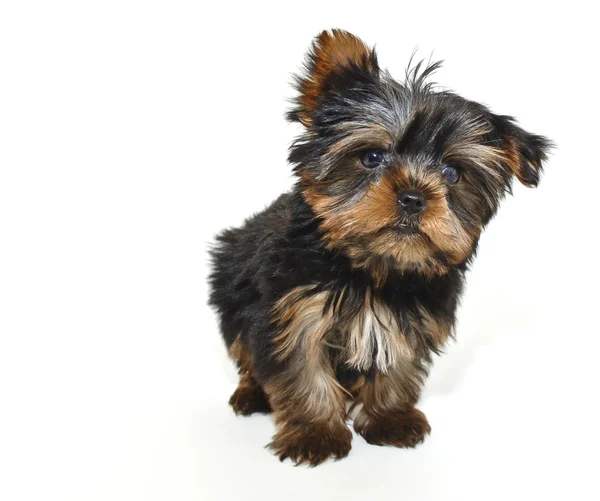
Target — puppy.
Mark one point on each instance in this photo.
(342, 289)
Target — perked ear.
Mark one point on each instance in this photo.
(524, 152)
(335, 59)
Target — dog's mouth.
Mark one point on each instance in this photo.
(402, 229)
(408, 229)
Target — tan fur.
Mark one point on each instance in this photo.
(397, 390)
(470, 147)
(306, 326)
(373, 326)
(309, 385)
(367, 228)
(302, 319)
(387, 414)
(307, 395)
(446, 232)
(236, 350)
(333, 51)
(311, 443)
(308, 391)
(513, 160)
(406, 428)
(408, 252)
(249, 396)
(355, 136)
(436, 328)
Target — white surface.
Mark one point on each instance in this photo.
(130, 132)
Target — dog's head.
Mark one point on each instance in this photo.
(400, 175)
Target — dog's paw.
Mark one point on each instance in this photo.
(400, 429)
(247, 400)
(311, 443)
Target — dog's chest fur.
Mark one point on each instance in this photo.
(373, 337)
(363, 334)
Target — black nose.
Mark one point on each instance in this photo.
(411, 202)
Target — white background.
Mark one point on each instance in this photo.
(131, 132)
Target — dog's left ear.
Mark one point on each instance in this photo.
(524, 152)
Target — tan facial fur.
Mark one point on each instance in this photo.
(368, 227)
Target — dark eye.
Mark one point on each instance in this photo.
(371, 158)
(451, 173)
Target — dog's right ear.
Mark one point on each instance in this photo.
(336, 61)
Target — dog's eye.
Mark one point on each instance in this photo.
(451, 173)
(371, 158)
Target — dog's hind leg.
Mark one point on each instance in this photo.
(249, 397)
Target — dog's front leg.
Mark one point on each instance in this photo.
(309, 407)
(388, 415)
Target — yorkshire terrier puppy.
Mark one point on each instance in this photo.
(342, 289)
